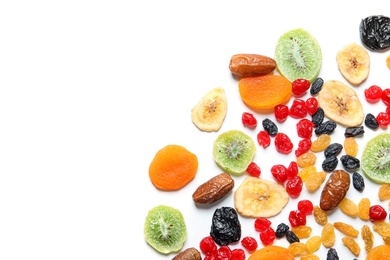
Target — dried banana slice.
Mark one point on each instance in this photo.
(341, 103)
(256, 197)
(210, 112)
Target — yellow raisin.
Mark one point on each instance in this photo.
(313, 244)
(352, 245)
(368, 238)
(384, 191)
(349, 207)
(309, 257)
(306, 159)
(345, 228)
(320, 216)
(364, 209)
(386, 240)
(314, 181)
(351, 146)
(382, 228)
(328, 235)
(297, 248)
(305, 172)
(302, 231)
(320, 143)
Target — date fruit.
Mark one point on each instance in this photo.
(189, 254)
(334, 190)
(214, 189)
(248, 65)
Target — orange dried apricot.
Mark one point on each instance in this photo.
(379, 252)
(273, 252)
(173, 167)
(263, 93)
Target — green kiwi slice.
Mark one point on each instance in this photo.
(375, 160)
(165, 229)
(298, 55)
(233, 151)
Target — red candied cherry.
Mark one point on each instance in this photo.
(279, 172)
(305, 206)
(253, 169)
(208, 246)
(377, 213)
(283, 143)
(300, 87)
(224, 253)
(292, 170)
(263, 138)
(294, 186)
(249, 120)
(386, 96)
(262, 224)
(297, 218)
(249, 243)
(388, 110)
(373, 94)
(304, 146)
(281, 113)
(305, 128)
(311, 105)
(238, 254)
(267, 236)
(298, 108)
(383, 119)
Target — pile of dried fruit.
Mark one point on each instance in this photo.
(331, 104)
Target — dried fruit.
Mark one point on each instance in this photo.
(210, 112)
(332, 254)
(320, 216)
(267, 236)
(334, 190)
(281, 230)
(188, 254)
(351, 147)
(358, 181)
(253, 169)
(377, 213)
(316, 86)
(384, 192)
(326, 127)
(249, 120)
(214, 189)
(297, 248)
(352, 245)
(374, 32)
(328, 235)
(291, 237)
(345, 228)
(294, 186)
(348, 207)
(371, 122)
(246, 65)
(321, 143)
(306, 159)
(379, 252)
(368, 238)
(283, 143)
(272, 252)
(373, 93)
(350, 163)
(364, 209)
(270, 126)
(333, 149)
(314, 181)
(302, 231)
(313, 244)
(249, 243)
(225, 226)
(305, 172)
(300, 86)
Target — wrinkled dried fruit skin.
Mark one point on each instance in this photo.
(368, 238)
(347, 229)
(352, 245)
(335, 189)
(214, 189)
(328, 235)
(189, 254)
(225, 227)
(320, 216)
(246, 65)
(375, 32)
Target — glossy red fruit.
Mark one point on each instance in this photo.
(304, 146)
(300, 87)
(207, 245)
(224, 253)
(297, 218)
(373, 94)
(283, 143)
(298, 108)
(377, 213)
(279, 172)
(383, 119)
(386, 96)
(305, 128)
(267, 236)
(249, 243)
(305, 206)
(263, 138)
(238, 254)
(253, 169)
(311, 105)
(292, 170)
(262, 224)
(281, 113)
(294, 186)
(249, 120)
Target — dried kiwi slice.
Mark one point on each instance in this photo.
(375, 160)
(165, 229)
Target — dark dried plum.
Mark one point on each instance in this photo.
(371, 122)
(270, 126)
(358, 181)
(333, 149)
(281, 230)
(225, 227)
(326, 127)
(375, 32)
(350, 162)
(316, 86)
(354, 131)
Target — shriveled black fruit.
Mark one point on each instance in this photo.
(270, 126)
(358, 181)
(354, 131)
(225, 227)
(371, 122)
(333, 149)
(318, 117)
(350, 163)
(375, 32)
(316, 86)
(281, 230)
(326, 127)
(332, 254)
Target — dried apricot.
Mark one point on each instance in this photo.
(273, 252)
(364, 209)
(328, 235)
(173, 167)
(384, 191)
(263, 93)
(379, 252)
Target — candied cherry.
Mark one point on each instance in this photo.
(300, 87)
(305, 206)
(262, 224)
(263, 138)
(311, 105)
(238, 254)
(386, 96)
(267, 236)
(383, 119)
(249, 120)
(224, 253)
(373, 94)
(281, 113)
(292, 170)
(283, 143)
(280, 173)
(249, 243)
(294, 186)
(304, 146)
(305, 128)
(377, 213)
(253, 169)
(297, 218)
(298, 108)
(208, 246)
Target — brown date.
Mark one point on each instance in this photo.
(214, 189)
(188, 254)
(248, 65)
(335, 189)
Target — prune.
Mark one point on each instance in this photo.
(318, 117)
(354, 131)
(371, 122)
(332, 254)
(333, 149)
(225, 227)
(335, 189)
(330, 163)
(375, 32)
(291, 237)
(326, 127)
(270, 126)
(316, 86)
(350, 162)
(358, 181)
(281, 230)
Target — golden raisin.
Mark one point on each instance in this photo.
(384, 191)
(368, 238)
(328, 235)
(364, 209)
(313, 244)
(306, 159)
(320, 143)
(352, 245)
(351, 146)
(320, 216)
(314, 181)
(386, 240)
(382, 228)
(347, 229)
(297, 248)
(349, 207)
(302, 231)
(305, 172)
(309, 257)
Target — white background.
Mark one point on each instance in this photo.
(91, 90)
